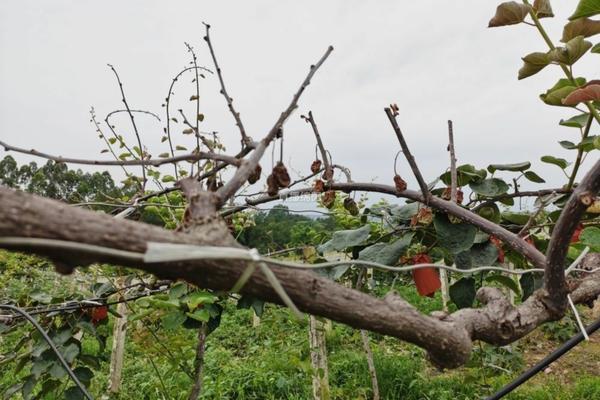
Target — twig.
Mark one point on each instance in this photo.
(408, 155)
(137, 134)
(192, 157)
(236, 115)
(242, 174)
(197, 116)
(167, 108)
(453, 173)
(578, 160)
(311, 120)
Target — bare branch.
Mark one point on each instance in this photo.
(247, 167)
(448, 339)
(311, 120)
(236, 115)
(409, 157)
(453, 174)
(137, 134)
(192, 157)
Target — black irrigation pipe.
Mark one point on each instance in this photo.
(555, 355)
(52, 346)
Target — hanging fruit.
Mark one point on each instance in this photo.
(447, 194)
(350, 206)
(315, 166)
(399, 183)
(327, 174)
(423, 217)
(282, 178)
(328, 199)
(255, 175)
(272, 188)
(319, 186)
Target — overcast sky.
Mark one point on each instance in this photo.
(436, 59)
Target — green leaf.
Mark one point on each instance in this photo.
(201, 315)
(465, 173)
(84, 375)
(530, 282)
(406, 212)
(249, 301)
(194, 299)
(515, 217)
(41, 297)
(28, 386)
(586, 8)
(168, 178)
(533, 177)
(509, 13)
(124, 156)
(572, 51)
(173, 320)
(504, 281)
(578, 121)
(386, 253)
(179, 147)
(533, 63)
(112, 140)
(177, 290)
(164, 155)
(462, 292)
(463, 260)
(479, 255)
(567, 145)
(70, 351)
(489, 187)
(454, 237)
(559, 91)
(57, 371)
(580, 27)
(590, 236)
(484, 254)
(516, 167)
(491, 212)
(73, 393)
(344, 239)
(596, 48)
(40, 366)
(164, 305)
(200, 117)
(62, 336)
(560, 162)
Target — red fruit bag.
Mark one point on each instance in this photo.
(427, 281)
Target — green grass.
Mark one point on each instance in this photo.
(272, 361)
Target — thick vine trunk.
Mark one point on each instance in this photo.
(448, 339)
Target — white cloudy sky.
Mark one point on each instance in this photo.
(436, 60)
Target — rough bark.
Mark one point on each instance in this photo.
(318, 359)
